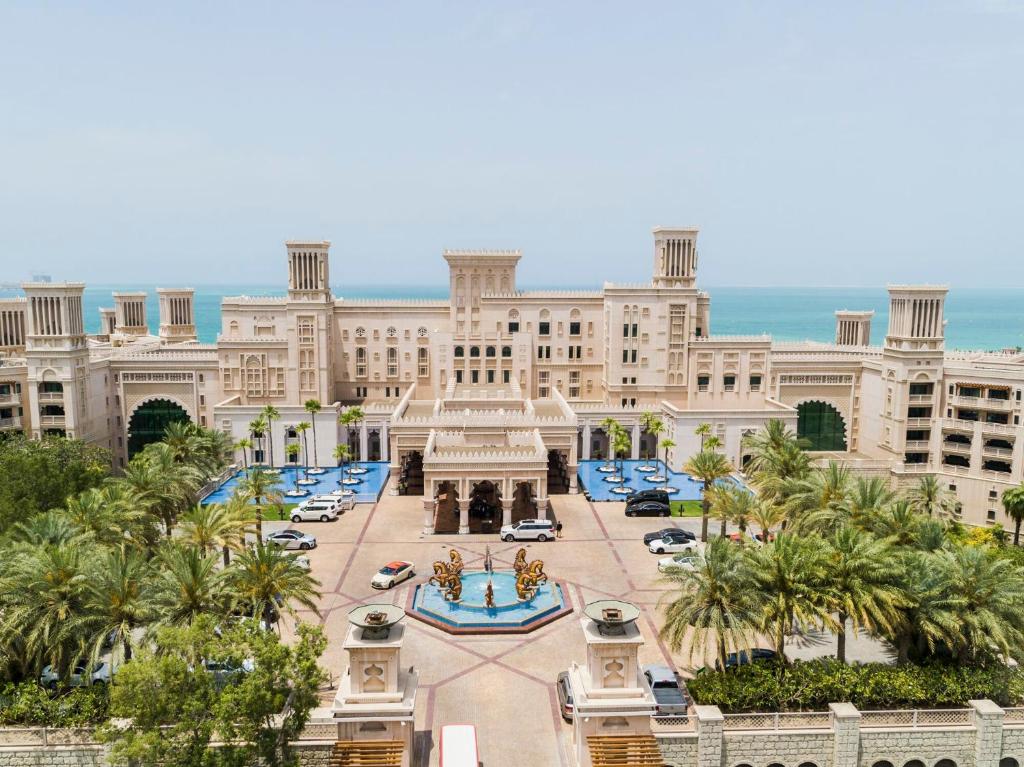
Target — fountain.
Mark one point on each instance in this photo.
(463, 601)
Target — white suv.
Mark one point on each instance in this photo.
(529, 530)
(324, 509)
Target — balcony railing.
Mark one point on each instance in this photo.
(913, 468)
(984, 403)
(917, 445)
(10, 423)
(958, 424)
(51, 396)
(999, 428)
(918, 422)
(10, 400)
(1002, 452)
(956, 447)
(921, 399)
(51, 420)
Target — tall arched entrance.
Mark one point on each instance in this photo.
(821, 425)
(150, 420)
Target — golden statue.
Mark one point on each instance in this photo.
(456, 562)
(489, 595)
(526, 586)
(536, 569)
(520, 563)
(447, 576)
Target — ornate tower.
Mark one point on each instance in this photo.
(308, 273)
(310, 311)
(853, 328)
(177, 314)
(130, 314)
(675, 256)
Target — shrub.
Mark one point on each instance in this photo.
(812, 685)
(28, 704)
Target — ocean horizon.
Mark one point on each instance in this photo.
(976, 318)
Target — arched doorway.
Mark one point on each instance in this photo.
(598, 444)
(484, 507)
(821, 425)
(524, 504)
(150, 420)
(446, 515)
(373, 445)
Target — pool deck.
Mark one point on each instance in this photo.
(367, 491)
(596, 483)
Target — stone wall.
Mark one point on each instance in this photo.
(789, 748)
(315, 754)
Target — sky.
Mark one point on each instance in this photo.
(813, 143)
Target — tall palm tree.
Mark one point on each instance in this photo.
(708, 467)
(931, 619)
(712, 605)
(763, 444)
(260, 487)
(51, 528)
(188, 584)
(898, 522)
(258, 428)
(992, 612)
(653, 425)
(611, 427)
(768, 516)
(703, 431)
(342, 454)
(292, 452)
(621, 444)
(110, 515)
(117, 600)
(269, 415)
(863, 576)
(301, 428)
(867, 497)
(730, 503)
(163, 486)
(1013, 503)
(666, 445)
(313, 407)
(350, 418)
(818, 502)
(244, 444)
(790, 578)
(264, 578)
(214, 525)
(929, 497)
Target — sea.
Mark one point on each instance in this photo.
(976, 318)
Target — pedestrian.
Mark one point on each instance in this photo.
(558, 529)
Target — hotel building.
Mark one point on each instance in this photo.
(503, 391)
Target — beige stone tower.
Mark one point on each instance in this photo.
(177, 314)
(130, 314)
(309, 322)
(853, 328)
(911, 372)
(675, 256)
(472, 273)
(108, 322)
(57, 356)
(308, 272)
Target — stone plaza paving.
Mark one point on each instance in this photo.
(503, 684)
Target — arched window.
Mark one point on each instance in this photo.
(459, 352)
(914, 763)
(506, 351)
(882, 763)
(945, 763)
(1008, 761)
(474, 351)
(491, 351)
(807, 764)
(822, 425)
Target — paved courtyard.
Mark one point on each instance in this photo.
(503, 684)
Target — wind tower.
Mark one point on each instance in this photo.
(177, 314)
(853, 328)
(130, 314)
(310, 308)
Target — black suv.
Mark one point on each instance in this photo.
(658, 496)
(670, 532)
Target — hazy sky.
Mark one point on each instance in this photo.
(814, 143)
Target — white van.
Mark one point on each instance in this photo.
(529, 530)
(458, 746)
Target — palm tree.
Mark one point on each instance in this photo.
(110, 515)
(817, 502)
(1013, 503)
(773, 438)
(790, 578)
(244, 444)
(898, 522)
(867, 497)
(188, 584)
(260, 487)
(162, 486)
(258, 428)
(350, 418)
(342, 453)
(301, 428)
(708, 467)
(712, 443)
(51, 528)
(703, 430)
(653, 425)
(864, 578)
(313, 407)
(292, 452)
(269, 414)
(929, 497)
(116, 595)
(621, 444)
(731, 503)
(611, 427)
(767, 515)
(931, 619)
(214, 525)
(264, 578)
(712, 604)
(666, 445)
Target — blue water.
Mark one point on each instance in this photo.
(989, 318)
(593, 480)
(471, 612)
(368, 491)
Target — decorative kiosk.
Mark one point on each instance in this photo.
(376, 700)
(612, 699)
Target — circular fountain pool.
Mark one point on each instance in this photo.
(471, 616)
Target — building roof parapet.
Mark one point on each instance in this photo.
(14, 300)
(254, 300)
(356, 303)
(481, 252)
(763, 338)
(528, 294)
(495, 418)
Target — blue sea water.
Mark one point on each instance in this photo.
(976, 318)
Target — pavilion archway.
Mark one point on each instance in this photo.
(822, 425)
(150, 420)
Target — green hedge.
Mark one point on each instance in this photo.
(29, 705)
(811, 686)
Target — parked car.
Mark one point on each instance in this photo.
(323, 509)
(668, 690)
(648, 509)
(291, 539)
(671, 546)
(392, 573)
(682, 561)
(224, 671)
(79, 677)
(670, 532)
(656, 494)
(564, 696)
(742, 658)
(528, 530)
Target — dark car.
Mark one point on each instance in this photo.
(669, 532)
(564, 696)
(648, 509)
(661, 496)
(742, 658)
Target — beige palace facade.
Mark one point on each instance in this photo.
(506, 389)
